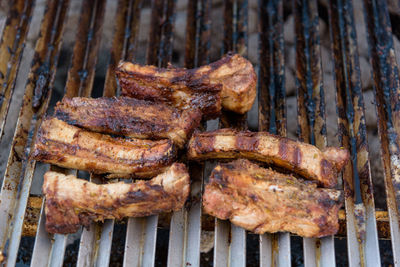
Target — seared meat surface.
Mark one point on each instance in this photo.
(302, 158)
(71, 147)
(129, 117)
(230, 80)
(262, 200)
(72, 202)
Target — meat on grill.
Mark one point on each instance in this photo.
(72, 202)
(230, 80)
(262, 200)
(71, 147)
(129, 117)
(302, 158)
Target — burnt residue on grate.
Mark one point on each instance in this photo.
(12, 45)
(271, 108)
(311, 104)
(19, 170)
(310, 93)
(235, 40)
(81, 73)
(357, 183)
(45, 60)
(387, 96)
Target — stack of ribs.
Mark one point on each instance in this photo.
(265, 200)
(139, 135)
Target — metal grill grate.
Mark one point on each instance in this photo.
(361, 224)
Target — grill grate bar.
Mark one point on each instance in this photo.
(185, 227)
(203, 36)
(237, 254)
(87, 245)
(192, 220)
(101, 235)
(387, 93)
(153, 48)
(143, 231)
(79, 83)
(19, 170)
(177, 239)
(58, 250)
(165, 54)
(87, 42)
(126, 33)
(95, 243)
(102, 258)
(125, 40)
(133, 256)
(42, 246)
(274, 248)
(191, 32)
(311, 106)
(362, 237)
(12, 45)
(230, 240)
(235, 39)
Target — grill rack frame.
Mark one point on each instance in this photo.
(185, 230)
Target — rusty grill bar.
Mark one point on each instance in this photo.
(274, 248)
(361, 224)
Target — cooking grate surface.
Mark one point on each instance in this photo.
(21, 212)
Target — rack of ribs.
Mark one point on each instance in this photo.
(68, 146)
(129, 117)
(262, 200)
(301, 158)
(230, 82)
(72, 202)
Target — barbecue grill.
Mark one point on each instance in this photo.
(361, 225)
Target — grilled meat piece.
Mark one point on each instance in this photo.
(262, 200)
(71, 147)
(231, 80)
(302, 158)
(71, 202)
(129, 117)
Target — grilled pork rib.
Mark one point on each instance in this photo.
(231, 80)
(129, 117)
(71, 147)
(71, 202)
(304, 159)
(262, 200)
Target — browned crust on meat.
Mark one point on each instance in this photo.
(72, 202)
(262, 200)
(302, 158)
(129, 117)
(71, 147)
(230, 80)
